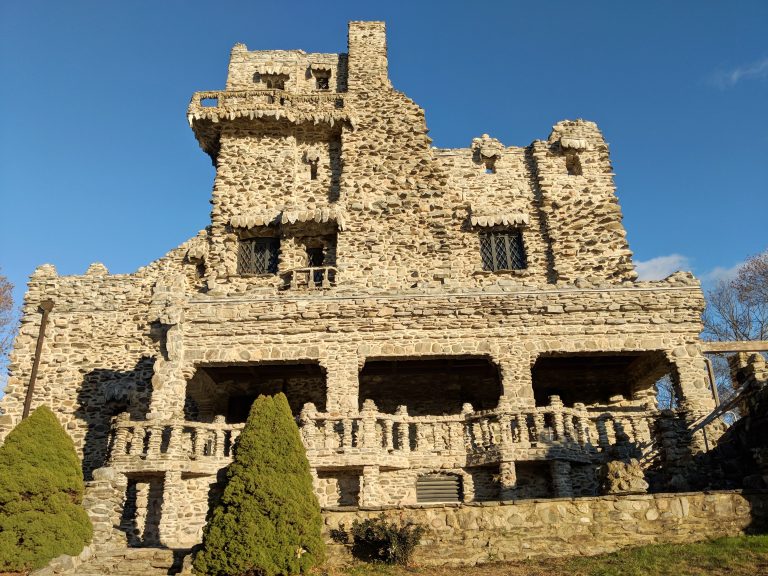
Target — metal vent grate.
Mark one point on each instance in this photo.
(438, 488)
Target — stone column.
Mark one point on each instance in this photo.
(693, 378)
(173, 496)
(516, 379)
(561, 478)
(696, 398)
(166, 314)
(341, 369)
(508, 480)
(369, 487)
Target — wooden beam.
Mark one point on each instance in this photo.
(735, 346)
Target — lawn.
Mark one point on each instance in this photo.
(742, 556)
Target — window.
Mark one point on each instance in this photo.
(258, 256)
(490, 164)
(573, 165)
(274, 81)
(502, 250)
(323, 83)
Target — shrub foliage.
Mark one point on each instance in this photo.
(41, 494)
(377, 539)
(268, 520)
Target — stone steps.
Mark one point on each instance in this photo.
(134, 562)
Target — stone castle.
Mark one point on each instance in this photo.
(452, 327)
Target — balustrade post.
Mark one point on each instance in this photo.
(368, 437)
(219, 438)
(582, 423)
(387, 426)
(346, 438)
(557, 416)
(403, 429)
(155, 438)
(175, 447)
(538, 426)
(307, 425)
(121, 435)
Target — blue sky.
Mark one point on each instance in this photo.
(97, 162)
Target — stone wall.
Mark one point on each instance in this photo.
(493, 531)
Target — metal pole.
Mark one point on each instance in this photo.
(45, 307)
(712, 382)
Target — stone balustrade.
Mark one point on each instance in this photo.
(310, 278)
(398, 440)
(226, 104)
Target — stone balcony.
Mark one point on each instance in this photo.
(309, 278)
(208, 109)
(390, 441)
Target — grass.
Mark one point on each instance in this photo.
(741, 556)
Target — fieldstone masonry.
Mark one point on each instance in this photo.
(485, 296)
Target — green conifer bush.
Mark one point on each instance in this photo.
(267, 521)
(41, 495)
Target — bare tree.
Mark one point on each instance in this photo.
(737, 309)
(7, 317)
(8, 327)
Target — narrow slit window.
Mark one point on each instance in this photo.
(313, 170)
(258, 255)
(573, 165)
(502, 250)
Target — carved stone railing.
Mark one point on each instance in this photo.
(310, 278)
(230, 104)
(154, 441)
(399, 439)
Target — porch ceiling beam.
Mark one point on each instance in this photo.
(735, 346)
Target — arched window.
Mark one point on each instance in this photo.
(573, 164)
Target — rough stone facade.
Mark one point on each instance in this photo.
(485, 296)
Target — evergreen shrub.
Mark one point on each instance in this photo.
(267, 521)
(379, 540)
(41, 495)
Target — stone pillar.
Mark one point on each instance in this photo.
(696, 399)
(369, 487)
(173, 496)
(367, 67)
(341, 372)
(516, 379)
(508, 480)
(561, 478)
(169, 382)
(693, 379)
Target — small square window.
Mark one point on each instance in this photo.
(322, 82)
(503, 250)
(258, 256)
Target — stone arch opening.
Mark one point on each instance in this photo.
(431, 386)
(228, 390)
(603, 379)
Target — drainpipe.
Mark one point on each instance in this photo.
(45, 308)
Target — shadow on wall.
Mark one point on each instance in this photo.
(102, 395)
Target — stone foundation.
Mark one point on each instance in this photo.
(495, 531)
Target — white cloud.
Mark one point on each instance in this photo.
(662, 266)
(754, 71)
(721, 274)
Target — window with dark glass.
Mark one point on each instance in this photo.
(503, 250)
(258, 256)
